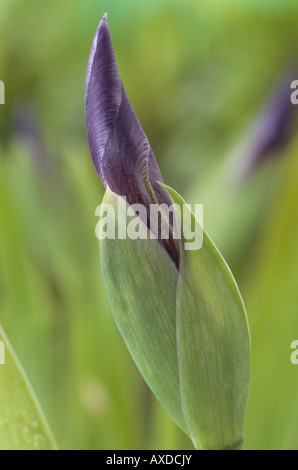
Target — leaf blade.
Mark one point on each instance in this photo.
(22, 423)
(213, 346)
(141, 284)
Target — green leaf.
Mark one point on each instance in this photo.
(141, 282)
(22, 424)
(187, 332)
(213, 345)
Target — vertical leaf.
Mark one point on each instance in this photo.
(22, 424)
(141, 282)
(213, 346)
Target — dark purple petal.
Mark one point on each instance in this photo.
(103, 95)
(118, 145)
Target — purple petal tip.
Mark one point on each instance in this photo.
(118, 145)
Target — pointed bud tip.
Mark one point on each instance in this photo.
(105, 17)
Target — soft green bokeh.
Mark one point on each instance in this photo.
(196, 73)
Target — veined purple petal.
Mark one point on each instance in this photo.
(103, 95)
(118, 145)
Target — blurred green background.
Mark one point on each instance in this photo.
(197, 73)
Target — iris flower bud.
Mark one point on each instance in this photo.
(179, 311)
